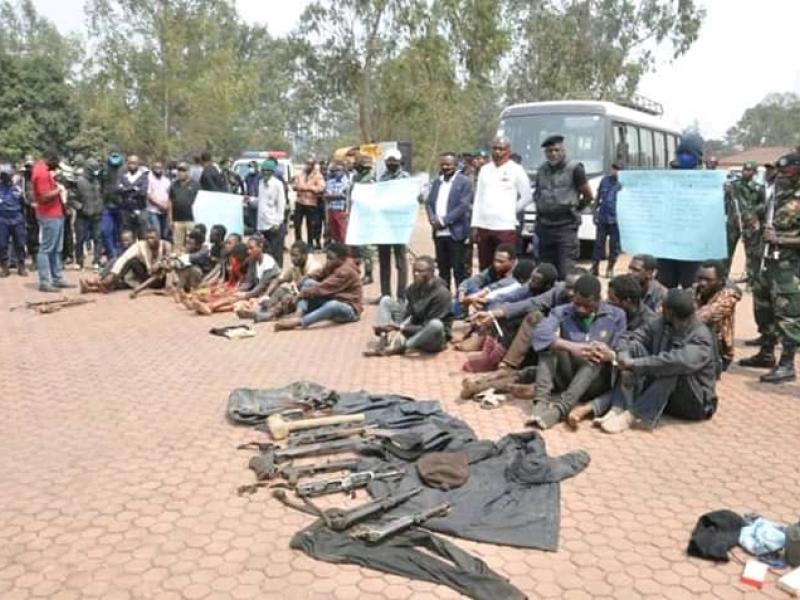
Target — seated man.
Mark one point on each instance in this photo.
(421, 321)
(504, 311)
(566, 343)
(716, 298)
(667, 366)
(624, 292)
(261, 269)
(192, 267)
(512, 377)
(473, 289)
(643, 267)
(280, 297)
(140, 262)
(127, 280)
(332, 294)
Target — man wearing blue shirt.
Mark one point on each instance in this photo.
(571, 367)
(605, 218)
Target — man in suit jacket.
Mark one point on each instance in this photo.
(449, 206)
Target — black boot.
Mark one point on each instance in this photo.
(4, 270)
(785, 370)
(759, 341)
(610, 270)
(595, 270)
(765, 359)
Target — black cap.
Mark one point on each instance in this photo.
(789, 160)
(552, 140)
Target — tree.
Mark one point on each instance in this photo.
(167, 75)
(775, 121)
(592, 49)
(37, 109)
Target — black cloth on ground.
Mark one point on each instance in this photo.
(715, 534)
(512, 496)
(441, 561)
(252, 406)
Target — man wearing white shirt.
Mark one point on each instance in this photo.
(270, 205)
(448, 207)
(158, 199)
(503, 190)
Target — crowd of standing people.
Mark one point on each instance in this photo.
(540, 327)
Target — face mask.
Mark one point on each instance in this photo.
(132, 170)
(392, 167)
(158, 173)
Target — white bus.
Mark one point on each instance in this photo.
(596, 134)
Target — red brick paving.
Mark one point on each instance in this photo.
(119, 470)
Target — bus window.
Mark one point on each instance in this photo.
(646, 148)
(672, 145)
(660, 155)
(626, 145)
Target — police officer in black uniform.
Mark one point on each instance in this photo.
(562, 192)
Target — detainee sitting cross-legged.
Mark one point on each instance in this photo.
(421, 321)
(570, 368)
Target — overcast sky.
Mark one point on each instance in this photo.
(746, 50)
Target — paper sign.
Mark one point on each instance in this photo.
(678, 214)
(217, 208)
(383, 213)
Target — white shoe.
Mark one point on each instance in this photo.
(615, 410)
(618, 423)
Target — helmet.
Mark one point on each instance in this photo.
(115, 159)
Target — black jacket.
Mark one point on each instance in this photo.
(425, 303)
(88, 197)
(659, 350)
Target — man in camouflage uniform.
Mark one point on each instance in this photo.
(776, 293)
(743, 199)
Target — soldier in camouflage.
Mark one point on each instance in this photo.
(776, 293)
(743, 199)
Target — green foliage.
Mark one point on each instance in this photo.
(168, 78)
(775, 121)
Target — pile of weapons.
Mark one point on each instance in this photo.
(45, 307)
(319, 436)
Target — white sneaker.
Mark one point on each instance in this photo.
(615, 410)
(618, 423)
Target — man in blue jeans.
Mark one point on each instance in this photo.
(50, 215)
(605, 218)
(333, 294)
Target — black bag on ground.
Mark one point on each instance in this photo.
(715, 533)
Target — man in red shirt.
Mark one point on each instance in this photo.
(50, 215)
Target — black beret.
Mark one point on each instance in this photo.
(789, 160)
(553, 139)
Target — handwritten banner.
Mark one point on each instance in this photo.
(217, 208)
(677, 214)
(383, 213)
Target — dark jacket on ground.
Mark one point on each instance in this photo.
(340, 282)
(88, 197)
(425, 303)
(459, 205)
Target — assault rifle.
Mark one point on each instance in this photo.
(339, 519)
(768, 224)
(292, 473)
(347, 483)
(50, 306)
(377, 533)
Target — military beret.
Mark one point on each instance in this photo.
(552, 140)
(789, 160)
(750, 165)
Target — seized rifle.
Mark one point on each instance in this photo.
(46, 307)
(292, 473)
(376, 533)
(768, 223)
(339, 519)
(324, 434)
(270, 455)
(347, 483)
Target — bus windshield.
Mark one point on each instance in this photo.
(583, 138)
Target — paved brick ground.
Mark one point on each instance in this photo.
(118, 470)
